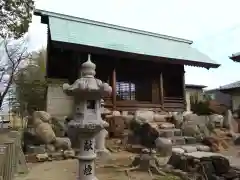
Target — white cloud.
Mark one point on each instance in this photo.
(214, 26)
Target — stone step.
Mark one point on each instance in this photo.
(178, 140)
(190, 140)
(198, 147)
(169, 133)
(181, 140)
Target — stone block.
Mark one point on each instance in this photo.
(36, 149)
(189, 149)
(177, 150)
(69, 154)
(42, 157)
(56, 155)
(160, 117)
(178, 141)
(167, 133)
(177, 132)
(164, 145)
(175, 160)
(190, 140)
(166, 125)
(203, 148)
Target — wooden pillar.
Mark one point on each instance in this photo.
(161, 93)
(184, 89)
(114, 93)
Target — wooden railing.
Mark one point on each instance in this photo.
(174, 103)
(12, 159)
(169, 104)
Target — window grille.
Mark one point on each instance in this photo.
(125, 90)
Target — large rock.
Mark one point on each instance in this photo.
(177, 119)
(166, 125)
(204, 130)
(190, 117)
(216, 119)
(145, 133)
(160, 117)
(62, 143)
(42, 115)
(144, 116)
(189, 149)
(189, 129)
(164, 145)
(230, 123)
(45, 132)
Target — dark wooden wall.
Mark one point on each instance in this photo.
(159, 86)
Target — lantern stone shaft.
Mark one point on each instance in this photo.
(87, 122)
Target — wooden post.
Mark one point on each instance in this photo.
(114, 88)
(161, 94)
(184, 89)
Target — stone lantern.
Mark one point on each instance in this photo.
(87, 122)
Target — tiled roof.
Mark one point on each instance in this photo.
(197, 86)
(235, 57)
(74, 30)
(230, 86)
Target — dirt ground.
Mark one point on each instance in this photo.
(110, 169)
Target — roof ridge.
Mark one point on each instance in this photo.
(88, 21)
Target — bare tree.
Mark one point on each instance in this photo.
(14, 52)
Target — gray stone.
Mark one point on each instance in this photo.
(229, 122)
(178, 150)
(178, 119)
(164, 145)
(50, 148)
(167, 133)
(190, 140)
(177, 132)
(204, 130)
(42, 157)
(166, 125)
(190, 129)
(178, 140)
(189, 149)
(202, 120)
(236, 139)
(190, 117)
(69, 154)
(56, 155)
(160, 117)
(201, 154)
(144, 116)
(145, 151)
(203, 148)
(36, 149)
(62, 143)
(216, 119)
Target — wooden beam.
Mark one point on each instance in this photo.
(161, 93)
(114, 93)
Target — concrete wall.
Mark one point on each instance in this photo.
(235, 100)
(58, 103)
(190, 91)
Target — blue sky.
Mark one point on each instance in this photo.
(214, 26)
